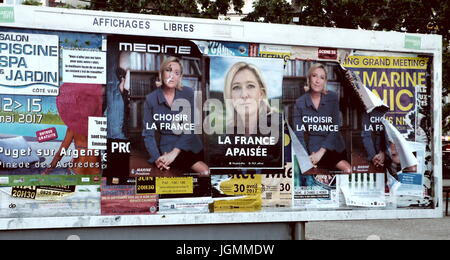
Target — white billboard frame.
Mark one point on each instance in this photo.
(72, 20)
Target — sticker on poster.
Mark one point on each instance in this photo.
(363, 190)
(275, 51)
(123, 200)
(277, 188)
(314, 191)
(47, 135)
(242, 186)
(184, 205)
(97, 133)
(84, 67)
(174, 185)
(49, 193)
(227, 49)
(240, 204)
(76, 201)
(327, 53)
(146, 185)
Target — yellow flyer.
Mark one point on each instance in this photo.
(244, 204)
(174, 185)
(242, 185)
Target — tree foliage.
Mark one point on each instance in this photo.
(32, 2)
(414, 16)
(397, 15)
(190, 8)
(271, 11)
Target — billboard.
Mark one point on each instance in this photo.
(98, 125)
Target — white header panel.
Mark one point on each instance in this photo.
(206, 29)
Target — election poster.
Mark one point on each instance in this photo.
(320, 118)
(154, 102)
(402, 83)
(383, 144)
(141, 70)
(244, 126)
(395, 81)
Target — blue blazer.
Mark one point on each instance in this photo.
(155, 103)
(313, 140)
(373, 134)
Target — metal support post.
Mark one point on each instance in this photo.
(300, 231)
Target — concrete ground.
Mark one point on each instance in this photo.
(420, 229)
(413, 229)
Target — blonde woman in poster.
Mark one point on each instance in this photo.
(317, 123)
(181, 150)
(253, 135)
(245, 94)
